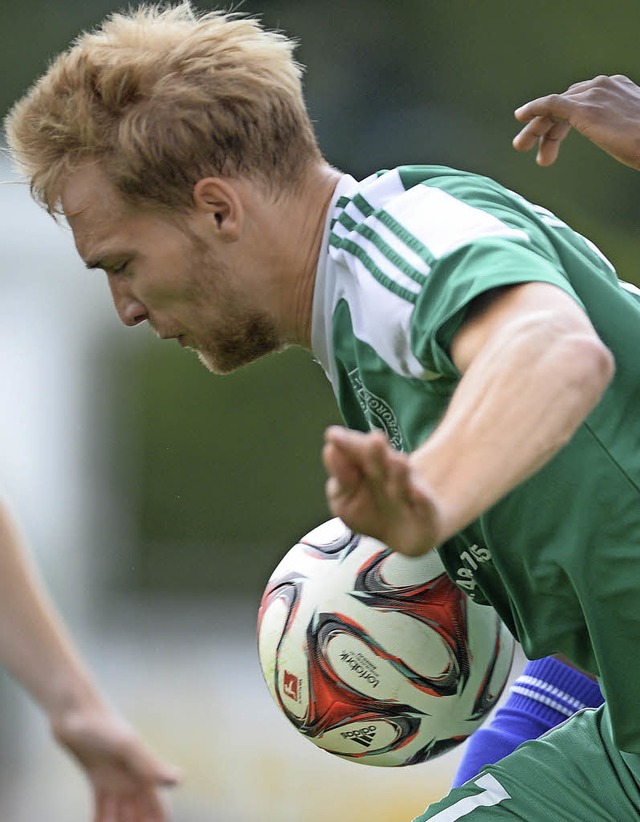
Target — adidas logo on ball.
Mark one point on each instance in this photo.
(363, 736)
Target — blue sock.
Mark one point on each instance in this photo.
(546, 693)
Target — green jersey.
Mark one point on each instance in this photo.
(404, 253)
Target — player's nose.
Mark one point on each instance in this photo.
(128, 307)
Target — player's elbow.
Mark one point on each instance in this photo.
(589, 364)
(598, 362)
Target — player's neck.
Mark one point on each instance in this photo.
(302, 220)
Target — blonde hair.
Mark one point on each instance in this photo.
(162, 97)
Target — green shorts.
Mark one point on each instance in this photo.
(573, 773)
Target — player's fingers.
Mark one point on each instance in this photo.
(555, 106)
(146, 814)
(365, 451)
(138, 807)
(547, 153)
(602, 81)
(106, 809)
(138, 760)
(397, 476)
(376, 453)
(335, 493)
(558, 131)
(344, 474)
(98, 815)
(549, 145)
(585, 85)
(343, 439)
(346, 506)
(127, 811)
(151, 808)
(532, 133)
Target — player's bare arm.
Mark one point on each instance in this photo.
(606, 110)
(533, 368)
(123, 773)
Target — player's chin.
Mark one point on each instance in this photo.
(222, 362)
(216, 365)
(212, 363)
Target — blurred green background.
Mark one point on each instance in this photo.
(220, 475)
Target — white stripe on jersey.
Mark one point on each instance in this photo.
(379, 189)
(380, 319)
(630, 287)
(444, 223)
(492, 794)
(378, 192)
(376, 255)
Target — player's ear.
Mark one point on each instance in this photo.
(219, 199)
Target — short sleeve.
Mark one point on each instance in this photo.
(456, 279)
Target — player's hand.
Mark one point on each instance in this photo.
(124, 775)
(375, 491)
(606, 110)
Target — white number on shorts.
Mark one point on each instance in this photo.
(492, 794)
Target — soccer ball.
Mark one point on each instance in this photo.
(377, 657)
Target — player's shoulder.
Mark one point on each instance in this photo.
(412, 175)
(376, 190)
(424, 174)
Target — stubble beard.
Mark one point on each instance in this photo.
(243, 336)
(239, 344)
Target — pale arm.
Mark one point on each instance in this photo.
(606, 110)
(533, 368)
(35, 647)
